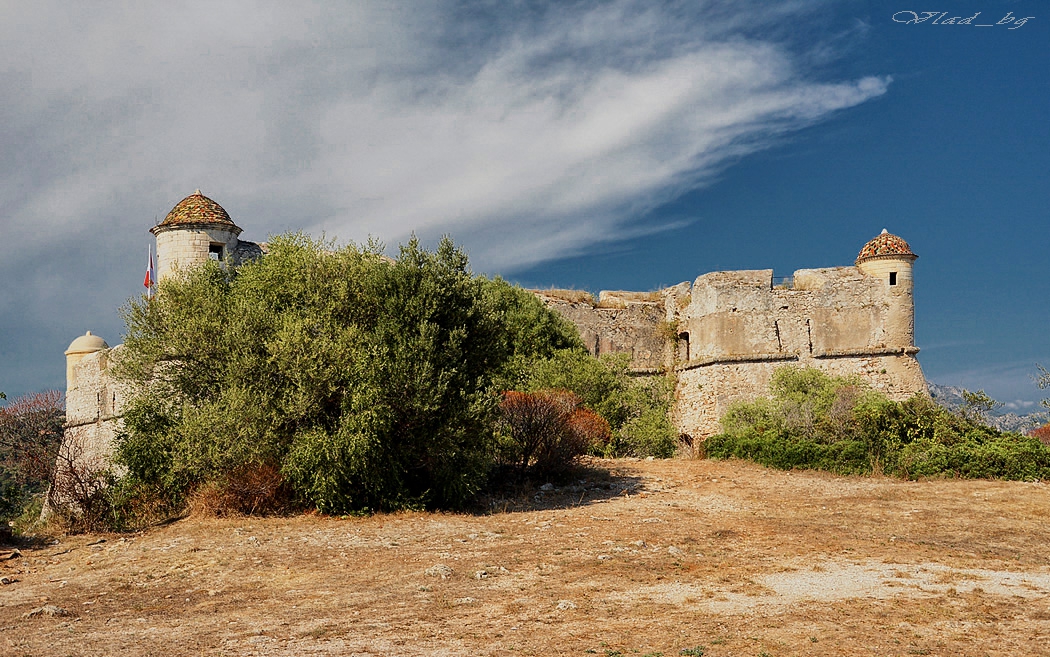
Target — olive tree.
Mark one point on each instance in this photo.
(365, 383)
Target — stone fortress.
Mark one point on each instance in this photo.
(722, 336)
(725, 334)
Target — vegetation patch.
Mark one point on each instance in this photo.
(335, 379)
(815, 421)
(325, 378)
(30, 434)
(636, 408)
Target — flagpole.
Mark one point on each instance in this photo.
(149, 281)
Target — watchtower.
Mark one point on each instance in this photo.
(196, 229)
(889, 259)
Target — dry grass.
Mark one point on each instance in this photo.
(620, 298)
(572, 296)
(656, 558)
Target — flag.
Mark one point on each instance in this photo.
(150, 279)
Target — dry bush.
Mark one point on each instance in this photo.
(77, 495)
(593, 428)
(1042, 433)
(540, 435)
(251, 489)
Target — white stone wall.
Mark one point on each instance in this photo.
(181, 248)
(94, 402)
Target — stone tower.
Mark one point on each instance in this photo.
(196, 229)
(79, 349)
(889, 259)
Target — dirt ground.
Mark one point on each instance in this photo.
(653, 558)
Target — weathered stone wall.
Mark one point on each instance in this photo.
(826, 311)
(630, 327)
(94, 401)
(727, 332)
(705, 391)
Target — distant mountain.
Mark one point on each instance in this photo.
(951, 397)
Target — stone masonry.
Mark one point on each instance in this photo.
(725, 334)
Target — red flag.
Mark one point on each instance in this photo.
(150, 276)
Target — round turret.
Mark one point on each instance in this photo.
(197, 229)
(889, 259)
(78, 349)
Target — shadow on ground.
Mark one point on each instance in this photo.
(589, 483)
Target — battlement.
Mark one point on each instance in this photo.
(724, 334)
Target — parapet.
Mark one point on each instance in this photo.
(621, 298)
(820, 279)
(731, 291)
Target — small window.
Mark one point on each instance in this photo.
(215, 251)
(893, 278)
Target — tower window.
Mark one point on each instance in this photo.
(215, 251)
(893, 278)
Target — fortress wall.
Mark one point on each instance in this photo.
(704, 393)
(735, 314)
(735, 329)
(632, 329)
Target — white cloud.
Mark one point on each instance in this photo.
(527, 132)
(1020, 405)
(545, 134)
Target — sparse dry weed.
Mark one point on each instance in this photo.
(656, 557)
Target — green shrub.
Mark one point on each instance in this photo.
(636, 408)
(363, 384)
(815, 421)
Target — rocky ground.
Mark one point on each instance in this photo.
(649, 558)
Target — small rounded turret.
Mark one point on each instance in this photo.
(197, 229)
(889, 259)
(78, 349)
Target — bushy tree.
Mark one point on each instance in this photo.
(367, 384)
(533, 332)
(30, 435)
(977, 406)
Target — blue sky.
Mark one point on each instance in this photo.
(615, 145)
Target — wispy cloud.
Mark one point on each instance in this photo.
(527, 131)
(543, 134)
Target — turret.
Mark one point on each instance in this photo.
(889, 259)
(79, 349)
(197, 229)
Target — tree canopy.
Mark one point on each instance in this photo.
(365, 383)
